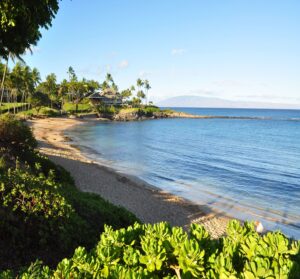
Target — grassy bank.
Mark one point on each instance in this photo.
(5, 107)
(81, 108)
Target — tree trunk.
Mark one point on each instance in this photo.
(14, 104)
(2, 82)
(23, 99)
(76, 108)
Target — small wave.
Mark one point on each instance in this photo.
(294, 119)
(164, 178)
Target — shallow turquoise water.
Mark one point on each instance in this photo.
(247, 168)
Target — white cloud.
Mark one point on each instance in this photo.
(123, 64)
(178, 51)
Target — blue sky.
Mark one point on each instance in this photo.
(233, 49)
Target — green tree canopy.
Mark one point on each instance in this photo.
(39, 99)
(20, 23)
(126, 94)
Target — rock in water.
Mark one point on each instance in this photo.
(258, 227)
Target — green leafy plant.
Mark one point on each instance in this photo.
(15, 134)
(159, 251)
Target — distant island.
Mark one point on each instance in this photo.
(209, 102)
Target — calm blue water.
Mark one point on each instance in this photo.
(249, 169)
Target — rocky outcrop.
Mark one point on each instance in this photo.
(137, 115)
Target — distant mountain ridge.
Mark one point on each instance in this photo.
(208, 102)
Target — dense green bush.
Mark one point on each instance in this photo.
(42, 217)
(15, 134)
(49, 112)
(107, 111)
(38, 99)
(159, 251)
(148, 111)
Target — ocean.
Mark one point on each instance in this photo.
(247, 168)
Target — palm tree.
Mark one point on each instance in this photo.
(14, 96)
(109, 78)
(17, 80)
(35, 76)
(114, 87)
(72, 74)
(51, 87)
(35, 79)
(147, 88)
(28, 84)
(126, 94)
(104, 85)
(141, 95)
(139, 84)
(63, 88)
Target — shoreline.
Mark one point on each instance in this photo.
(148, 202)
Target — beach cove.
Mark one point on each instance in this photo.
(242, 163)
(147, 202)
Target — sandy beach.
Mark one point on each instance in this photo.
(148, 203)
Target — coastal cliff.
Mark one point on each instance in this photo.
(133, 114)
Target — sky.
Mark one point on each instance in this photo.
(232, 49)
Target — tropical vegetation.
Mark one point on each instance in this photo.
(162, 251)
(44, 218)
(24, 92)
(43, 215)
(20, 23)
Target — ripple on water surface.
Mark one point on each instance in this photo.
(247, 168)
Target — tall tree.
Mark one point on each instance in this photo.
(28, 83)
(147, 88)
(72, 82)
(109, 79)
(104, 85)
(126, 94)
(4, 71)
(62, 89)
(92, 86)
(141, 95)
(20, 23)
(17, 80)
(50, 88)
(36, 77)
(38, 100)
(139, 84)
(72, 74)
(79, 88)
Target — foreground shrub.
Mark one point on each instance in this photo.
(41, 217)
(159, 251)
(15, 135)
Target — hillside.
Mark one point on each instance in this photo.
(207, 102)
